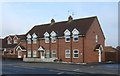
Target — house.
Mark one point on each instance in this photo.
(75, 40)
(9, 45)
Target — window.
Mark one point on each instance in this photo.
(96, 38)
(34, 53)
(15, 41)
(46, 39)
(47, 54)
(67, 35)
(29, 53)
(67, 54)
(29, 41)
(67, 38)
(75, 37)
(53, 53)
(75, 52)
(34, 41)
(9, 42)
(53, 39)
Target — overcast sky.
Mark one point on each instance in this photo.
(20, 17)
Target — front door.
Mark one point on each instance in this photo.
(19, 54)
(42, 55)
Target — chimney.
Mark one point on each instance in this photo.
(70, 18)
(52, 21)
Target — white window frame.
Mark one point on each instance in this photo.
(67, 36)
(96, 38)
(47, 40)
(15, 41)
(34, 41)
(9, 41)
(28, 41)
(47, 53)
(29, 53)
(75, 53)
(75, 36)
(34, 53)
(54, 54)
(53, 38)
(67, 53)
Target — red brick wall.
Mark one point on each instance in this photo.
(90, 43)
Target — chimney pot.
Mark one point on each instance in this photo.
(52, 21)
(70, 18)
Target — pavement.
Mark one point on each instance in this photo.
(19, 68)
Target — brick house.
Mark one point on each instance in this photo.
(75, 40)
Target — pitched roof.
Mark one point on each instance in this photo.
(6, 45)
(82, 25)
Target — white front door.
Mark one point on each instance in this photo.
(19, 54)
(99, 54)
(42, 55)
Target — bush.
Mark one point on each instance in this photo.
(55, 60)
(60, 60)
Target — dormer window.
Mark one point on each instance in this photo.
(53, 37)
(15, 41)
(29, 39)
(34, 38)
(75, 33)
(67, 35)
(9, 41)
(46, 36)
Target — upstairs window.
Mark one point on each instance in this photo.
(46, 36)
(67, 38)
(67, 35)
(96, 38)
(53, 39)
(34, 41)
(76, 54)
(46, 39)
(75, 35)
(29, 41)
(15, 42)
(9, 41)
(34, 38)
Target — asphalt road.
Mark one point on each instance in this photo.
(18, 68)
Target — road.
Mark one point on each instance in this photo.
(18, 68)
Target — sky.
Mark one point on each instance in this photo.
(20, 17)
